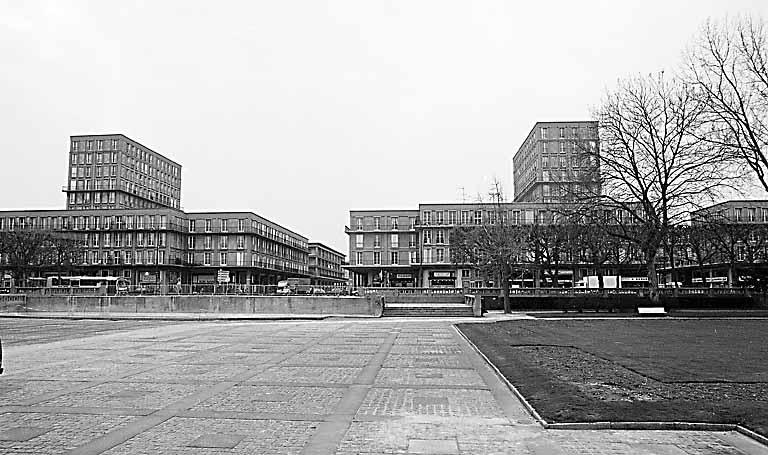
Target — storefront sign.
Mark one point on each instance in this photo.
(442, 274)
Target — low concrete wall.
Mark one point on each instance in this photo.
(352, 306)
(423, 298)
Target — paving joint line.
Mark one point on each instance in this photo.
(331, 431)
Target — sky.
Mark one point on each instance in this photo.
(301, 111)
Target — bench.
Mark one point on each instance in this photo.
(651, 311)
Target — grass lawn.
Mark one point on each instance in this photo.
(713, 370)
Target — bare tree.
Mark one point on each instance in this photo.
(551, 243)
(494, 246)
(22, 250)
(700, 247)
(727, 67)
(60, 251)
(654, 170)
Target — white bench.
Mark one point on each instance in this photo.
(651, 311)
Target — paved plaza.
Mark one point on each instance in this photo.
(386, 386)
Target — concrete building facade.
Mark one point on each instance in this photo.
(123, 211)
(325, 265)
(555, 162)
(111, 171)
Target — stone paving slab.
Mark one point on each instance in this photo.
(61, 432)
(431, 361)
(16, 391)
(141, 395)
(275, 399)
(308, 375)
(328, 359)
(408, 402)
(395, 386)
(429, 377)
(183, 436)
(195, 372)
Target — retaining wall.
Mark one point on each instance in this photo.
(352, 306)
(619, 302)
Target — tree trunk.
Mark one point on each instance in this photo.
(730, 274)
(505, 288)
(653, 279)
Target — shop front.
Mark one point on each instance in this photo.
(442, 279)
(402, 279)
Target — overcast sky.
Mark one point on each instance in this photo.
(302, 110)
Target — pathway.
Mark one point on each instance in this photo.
(391, 386)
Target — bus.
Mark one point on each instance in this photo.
(111, 285)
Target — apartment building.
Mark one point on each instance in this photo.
(412, 248)
(110, 171)
(167, 245)
(383, 248)
(325, 265)
(123, 210)
(556, 162)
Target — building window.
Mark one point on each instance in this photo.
(439, 236)
(207, 225)
(452, 217)
(377, 241)
(428, 256)
(440, 254)
(359, 258)
(394, 223)
(413, 257)
(75, 146)
(377, 257)
(223, 242)
(358, 240)
(208, 242)
(543, 132)
(191, 242)
(240, 242)
(239, 258)
(207, 259)
(426, 218)
(412, 241)
(240, 225)
(222, 258)
(737, 214)
(751, 215)
(427, 236)
(394, 240)
(465, 217)
(359, 223)
(478, 217)
(393, 258)
(376, 223)
(223, 224)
